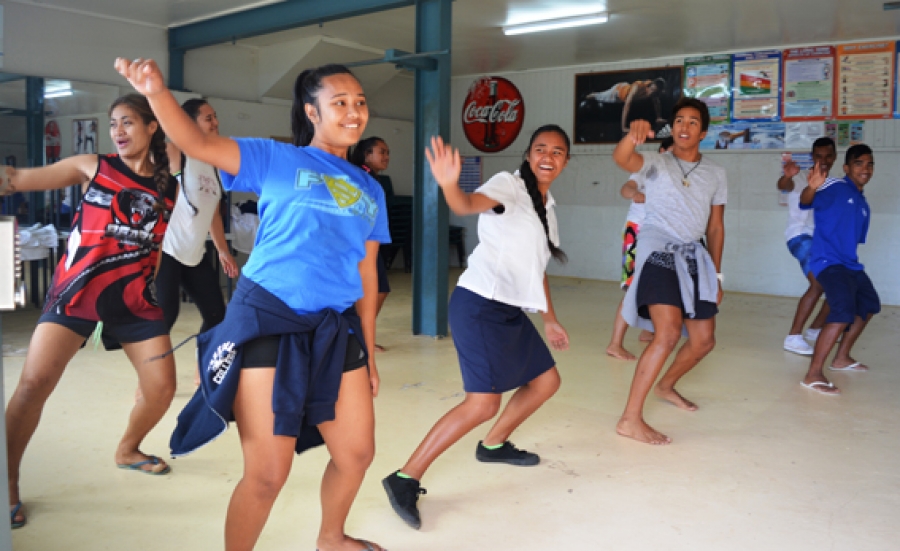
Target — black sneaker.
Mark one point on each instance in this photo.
(403, 493)
(507, 453)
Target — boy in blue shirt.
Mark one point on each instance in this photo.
(842, 222)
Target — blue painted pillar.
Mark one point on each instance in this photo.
(176, 69)
(430, 213)
(34, 124)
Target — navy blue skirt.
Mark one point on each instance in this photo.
(498, 347)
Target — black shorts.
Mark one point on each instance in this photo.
(659, 285)
(850, 294)
(113, 333)
(384, 285)
(263, 352)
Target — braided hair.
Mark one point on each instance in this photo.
(306, 91)
(531, 185)
(158, 154)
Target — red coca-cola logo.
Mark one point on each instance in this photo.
(493, 114)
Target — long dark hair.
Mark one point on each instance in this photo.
(531, 185)
(306, 90)
(158, 154)
(192, 108)
(363, 148)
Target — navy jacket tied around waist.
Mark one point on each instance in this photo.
(307, 375)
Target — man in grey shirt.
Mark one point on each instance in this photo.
(677, 281)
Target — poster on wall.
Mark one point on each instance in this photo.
(865, 88)
(744, 135)
(756, 86)
(801, 135)
(606, 103)
(846, 133)
(84, 136)
(470, 176)
(809, 83)
(493, 114)
(708, 78)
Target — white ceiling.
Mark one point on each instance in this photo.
(637, 28)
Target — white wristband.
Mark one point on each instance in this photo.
(721, 278)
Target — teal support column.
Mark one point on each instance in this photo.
(176, 70)
(34, 125)
(430, 213)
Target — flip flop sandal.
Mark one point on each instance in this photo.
(151, 460)
(12, 516)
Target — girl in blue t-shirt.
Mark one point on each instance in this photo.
(321, 221)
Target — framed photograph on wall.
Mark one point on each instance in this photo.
(606, 103)
(84, 136)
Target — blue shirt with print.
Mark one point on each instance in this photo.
(316, 212)
(842, 221)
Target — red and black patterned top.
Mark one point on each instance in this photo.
(107, 270)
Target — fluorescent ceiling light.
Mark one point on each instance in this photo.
(561, 23)
(57, 89)
(58, 94)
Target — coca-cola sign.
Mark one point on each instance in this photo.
(493, 114)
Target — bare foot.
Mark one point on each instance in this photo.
(641, 431)
(379, 348)
(671, 395)
(619, 352)
(646, 336)
(347, 544)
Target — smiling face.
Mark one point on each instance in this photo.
(378, 158)
(824, 156)
(339, 115)
(207, 121)
(129, 133)
(687, 128)
(547, 157)
(860, 170)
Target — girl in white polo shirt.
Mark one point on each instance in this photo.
(499, 348)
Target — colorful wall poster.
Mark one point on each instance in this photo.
(801, 135)
(708, 78)
(809, 83)
(846, 133)
(756, 86)
(470, 174)
(744, 135)
(865, 87)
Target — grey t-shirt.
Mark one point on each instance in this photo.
(673, 209)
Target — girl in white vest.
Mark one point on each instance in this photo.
(185, 262)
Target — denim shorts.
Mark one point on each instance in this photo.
(801, 247)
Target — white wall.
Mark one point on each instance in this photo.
(47, 42)
(591, 212)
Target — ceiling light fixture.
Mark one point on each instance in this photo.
(561, 23)
(891, 6)
(57, 89)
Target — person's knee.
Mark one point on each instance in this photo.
(483, 408)
(704, 344)
(356, 459)
(548, 383)
(159, 390)
(35, 386)
(666, 338)
(266, 481)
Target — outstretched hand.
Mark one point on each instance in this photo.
(445, 162)
(640, 131)
(143, 74)
(791, 169)
(817, 176)
(6, 174)
(557, 335)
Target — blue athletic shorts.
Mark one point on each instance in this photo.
(801, 248)
(849, 293)
(113, 333)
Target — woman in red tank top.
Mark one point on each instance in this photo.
(105, 275)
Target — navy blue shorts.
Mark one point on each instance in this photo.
(801, 249)
(113, 333)
(659, 285)
(498, 347)
(383, 285)
(849, 293)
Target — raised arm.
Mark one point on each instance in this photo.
(147, 79)
(786, 182)
(624, 154)
(67, 172)
(816, 177)
(446, 167)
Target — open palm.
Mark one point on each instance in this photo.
(444, 161)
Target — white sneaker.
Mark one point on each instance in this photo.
(811, 334)
(796, 344)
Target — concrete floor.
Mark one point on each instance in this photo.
(764, 464)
